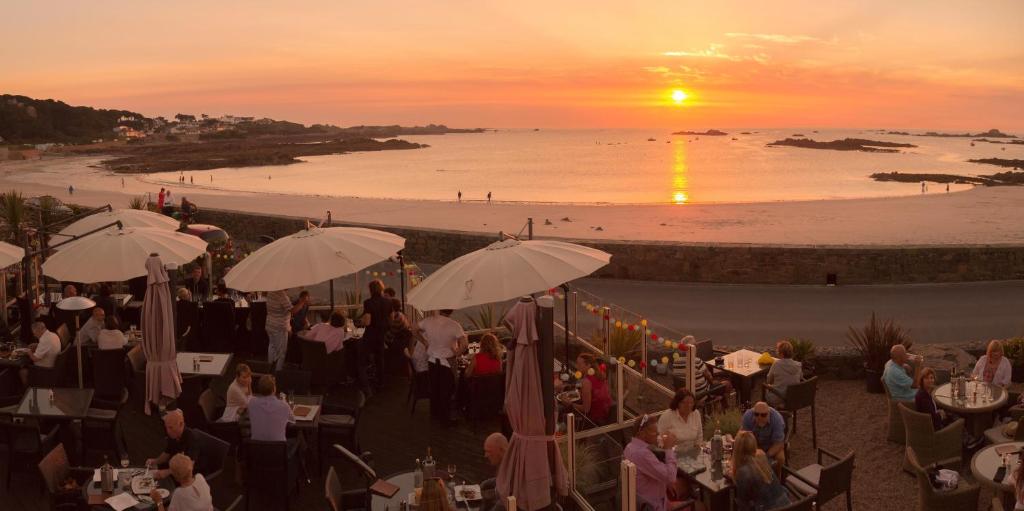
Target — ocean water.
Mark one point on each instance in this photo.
(615, 166)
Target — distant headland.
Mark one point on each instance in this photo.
(846, 144)
(993, 133)
(708, 133)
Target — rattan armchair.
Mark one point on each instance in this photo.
(944, 447)
(965, 496)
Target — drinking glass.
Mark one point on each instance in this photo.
(125, 461)
(451, 475)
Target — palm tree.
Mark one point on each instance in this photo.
(12, 209)
(137, 202)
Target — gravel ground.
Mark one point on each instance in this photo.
(851, 419)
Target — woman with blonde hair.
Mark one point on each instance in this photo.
(757, 487)
(993, 367)
(488, 360)
(434, 497)
(192, 492)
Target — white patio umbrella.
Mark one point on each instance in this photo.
(505, 270)
(120, 254)
(127, 217)
(10, 254)
(312, 256)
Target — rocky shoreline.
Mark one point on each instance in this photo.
(846, 144)
(998, 179)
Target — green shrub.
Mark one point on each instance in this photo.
(1013, 349)
(622, 342)
(486, 318)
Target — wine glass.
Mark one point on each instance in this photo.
(125, 461)
(451, 471)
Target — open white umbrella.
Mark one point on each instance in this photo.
(10, 254)
(120, 254)
(127, 217)
(312, 256)
(505, 270)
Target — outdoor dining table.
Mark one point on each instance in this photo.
(987, 461)
(67, 404)
(742, 365)
(709, 475)
(94, 496)
(406, 483)
(15, 360)
(210, 364)
(977, 406)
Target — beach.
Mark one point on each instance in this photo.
(979, 216)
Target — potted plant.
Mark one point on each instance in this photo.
(874, 341)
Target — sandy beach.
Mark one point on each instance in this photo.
(981, 216)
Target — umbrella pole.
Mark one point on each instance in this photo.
(565, 290)
(545, 363)
(78, 348)
(401, 277)
(331, 286)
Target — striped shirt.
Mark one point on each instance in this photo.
(679, 374)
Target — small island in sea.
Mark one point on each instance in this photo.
(709, 133)
(993, 133)
(846, 144)
(1015, 141)
(998, 179)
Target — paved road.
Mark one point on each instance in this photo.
(761, 314)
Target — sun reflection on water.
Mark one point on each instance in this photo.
(680, 179)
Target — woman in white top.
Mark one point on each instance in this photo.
(110, 336)
(682, 421)
(240, 390)
(192, 493)
(993, 367)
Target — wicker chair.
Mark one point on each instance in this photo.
(824, 482)
(897, 433)
(796, 397)
(997, 434)
(965, 496)
(944, 446)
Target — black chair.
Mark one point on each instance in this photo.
(55, 470)
(219, 326)
(799, 396)
(189, 327)
(270, 473)
(824, 482)
(136, 365)
(486, 395)
(320, 365)
(213, 454)
(109, 379)
(293, 381)
(419, 386)
(339, 425)
(99, 434)
(340, 500)
(188, 401)
(705, 350)
(50, 377)
(26, 445)
(363, 465)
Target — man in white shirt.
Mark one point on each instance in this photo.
(44, 353)
(445, 340)
(90, 331)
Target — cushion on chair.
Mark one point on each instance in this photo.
(337, 420)
(812, 473)
(100, 414)
(998, 434)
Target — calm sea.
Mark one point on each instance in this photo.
(615, 166)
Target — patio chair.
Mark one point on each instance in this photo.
(26, 444)
(419, 386)
(362, 464)
(99, 433)
(997, 433)
(339, 425)
(897, 434)
(339, 500)
(269, 473)
(218, 326)
(823, 483)
(965, 496)
(293, 381)
(213, 454)
(50, 377)
(486, 395)
(797, 397)
(55, 469)
(320, 365)
(944, 446)
(109, 378)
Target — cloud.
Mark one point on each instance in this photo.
(774, 38)
(714, 51)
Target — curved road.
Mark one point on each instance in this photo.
(762, 314)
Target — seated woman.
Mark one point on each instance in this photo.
(240, 390)
(993, 367)
(924, 402)
(192, 492)
(683, 421)
(595, 398)
(398, 325)
(757, 487)
(784, 372)
(111, 337)
(488, 361)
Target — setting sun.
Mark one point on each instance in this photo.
(678, 96)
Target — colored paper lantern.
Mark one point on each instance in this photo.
(590, 372)
(578, 375)
(643, 322)
(631, 363)
(564, 376)
(664, 360)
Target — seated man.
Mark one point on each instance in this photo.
(702, 376)
(90, 331)
(769, 428)
(221, 295)
(44, 353)
(495, 446)
(179, 440)
(899, 376)
(192, 492)
(332, 332)
(269, 415)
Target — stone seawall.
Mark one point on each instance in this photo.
(710, 263)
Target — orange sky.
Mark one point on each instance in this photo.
(909, 64)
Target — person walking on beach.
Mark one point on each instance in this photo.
(460, 195)
(488, 197)
(922, 186)
(192, 179)
(947, 187)
(122, 182)
(160, 201)
(71, 190)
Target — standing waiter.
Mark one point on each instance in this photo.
(376, 311)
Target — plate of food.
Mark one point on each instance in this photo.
(570, 396)
(468, 493)
(143, 484)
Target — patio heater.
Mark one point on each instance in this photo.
(77, 304)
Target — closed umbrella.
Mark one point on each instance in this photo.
(119, 254)
(312, 256)
(505, 270)
(525, 471)
(162, 377)
(127, 217)
(10, 254)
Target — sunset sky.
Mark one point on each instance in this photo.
(884, 64)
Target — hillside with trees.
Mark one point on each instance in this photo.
(24, 120)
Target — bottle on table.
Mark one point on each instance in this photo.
(106, 476)
(417, 475)
(717, 447)
(429, 466)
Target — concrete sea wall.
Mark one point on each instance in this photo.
(711, 263)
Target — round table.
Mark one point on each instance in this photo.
(985, 463)
(406, 483)
(93, 488)
(972, 410)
